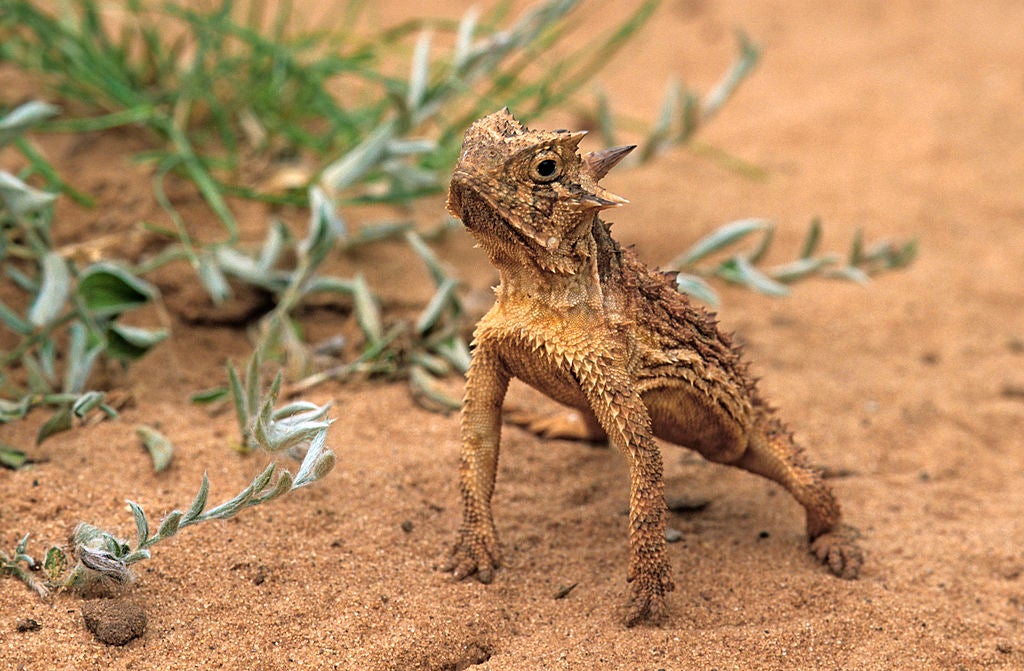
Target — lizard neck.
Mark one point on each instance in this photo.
(528, 283)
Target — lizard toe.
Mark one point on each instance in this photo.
(839, 551)
(472, 558)
(645, 608)
(649, 584)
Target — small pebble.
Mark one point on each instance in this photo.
(28, 624)
(113, 621)
(407, 526)
(673, 535)
(686, 504)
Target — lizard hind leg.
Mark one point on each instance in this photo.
(772, 453)
(565, 423)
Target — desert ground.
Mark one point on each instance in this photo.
(903, 118)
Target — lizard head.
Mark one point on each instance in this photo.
(528, 194)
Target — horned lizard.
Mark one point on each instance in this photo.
(585, 322)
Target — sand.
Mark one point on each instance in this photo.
(902, 118)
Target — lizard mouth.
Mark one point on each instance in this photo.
(465, 185)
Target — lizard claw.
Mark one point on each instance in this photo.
(839, 551)
(647, 603)
(644, 606)
(473, 554)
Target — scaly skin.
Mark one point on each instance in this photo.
(585, 322)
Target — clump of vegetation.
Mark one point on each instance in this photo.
(99, 556)
(72, 316)
(742, 267)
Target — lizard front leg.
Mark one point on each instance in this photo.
(476, 549)
(624, 417)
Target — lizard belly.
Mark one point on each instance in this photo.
(685, 416)
(547, 374)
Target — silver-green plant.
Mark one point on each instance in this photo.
(98, 555)
(421, 350)
(741, 268)
(71, 315)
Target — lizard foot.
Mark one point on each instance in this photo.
(839, 551)
(645, 608)
(473, 554)
(567, 425)
(647, 603)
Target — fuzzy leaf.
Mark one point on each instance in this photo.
(739, 270)
(21, 118)
(53, 290)
(849, 273)
(283, 484)
(464, 38)
(198, 503)
(60, 421)
(141, 523)
(419, 72)
(107, 290)
(317, 463)
(80, 359)
(350, 168)
(213, 279)
(857, 249)
(718, 240)
(86, 403)
(325, 227)
(367, 311)
(330, 285)
(425, 253)
(252, 386)
(11, 411)
(160, 449)
(455, 351)
(169, 525)
(425, 387)
(691, 285)
(14, 321)
(272, 247)
(434, 309)
(233, 506)
(11, 457)
(795, 270)
(129, 343)
(211, 395)
(812, 240)
(22, 547)
(55, 564)
(240, 401)
(19, 198)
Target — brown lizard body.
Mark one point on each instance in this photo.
(585, 322)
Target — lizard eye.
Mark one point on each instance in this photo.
(546, 167)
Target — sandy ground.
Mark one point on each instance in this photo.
(904, 118)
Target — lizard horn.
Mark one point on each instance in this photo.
(600, 162)
(572, 139)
